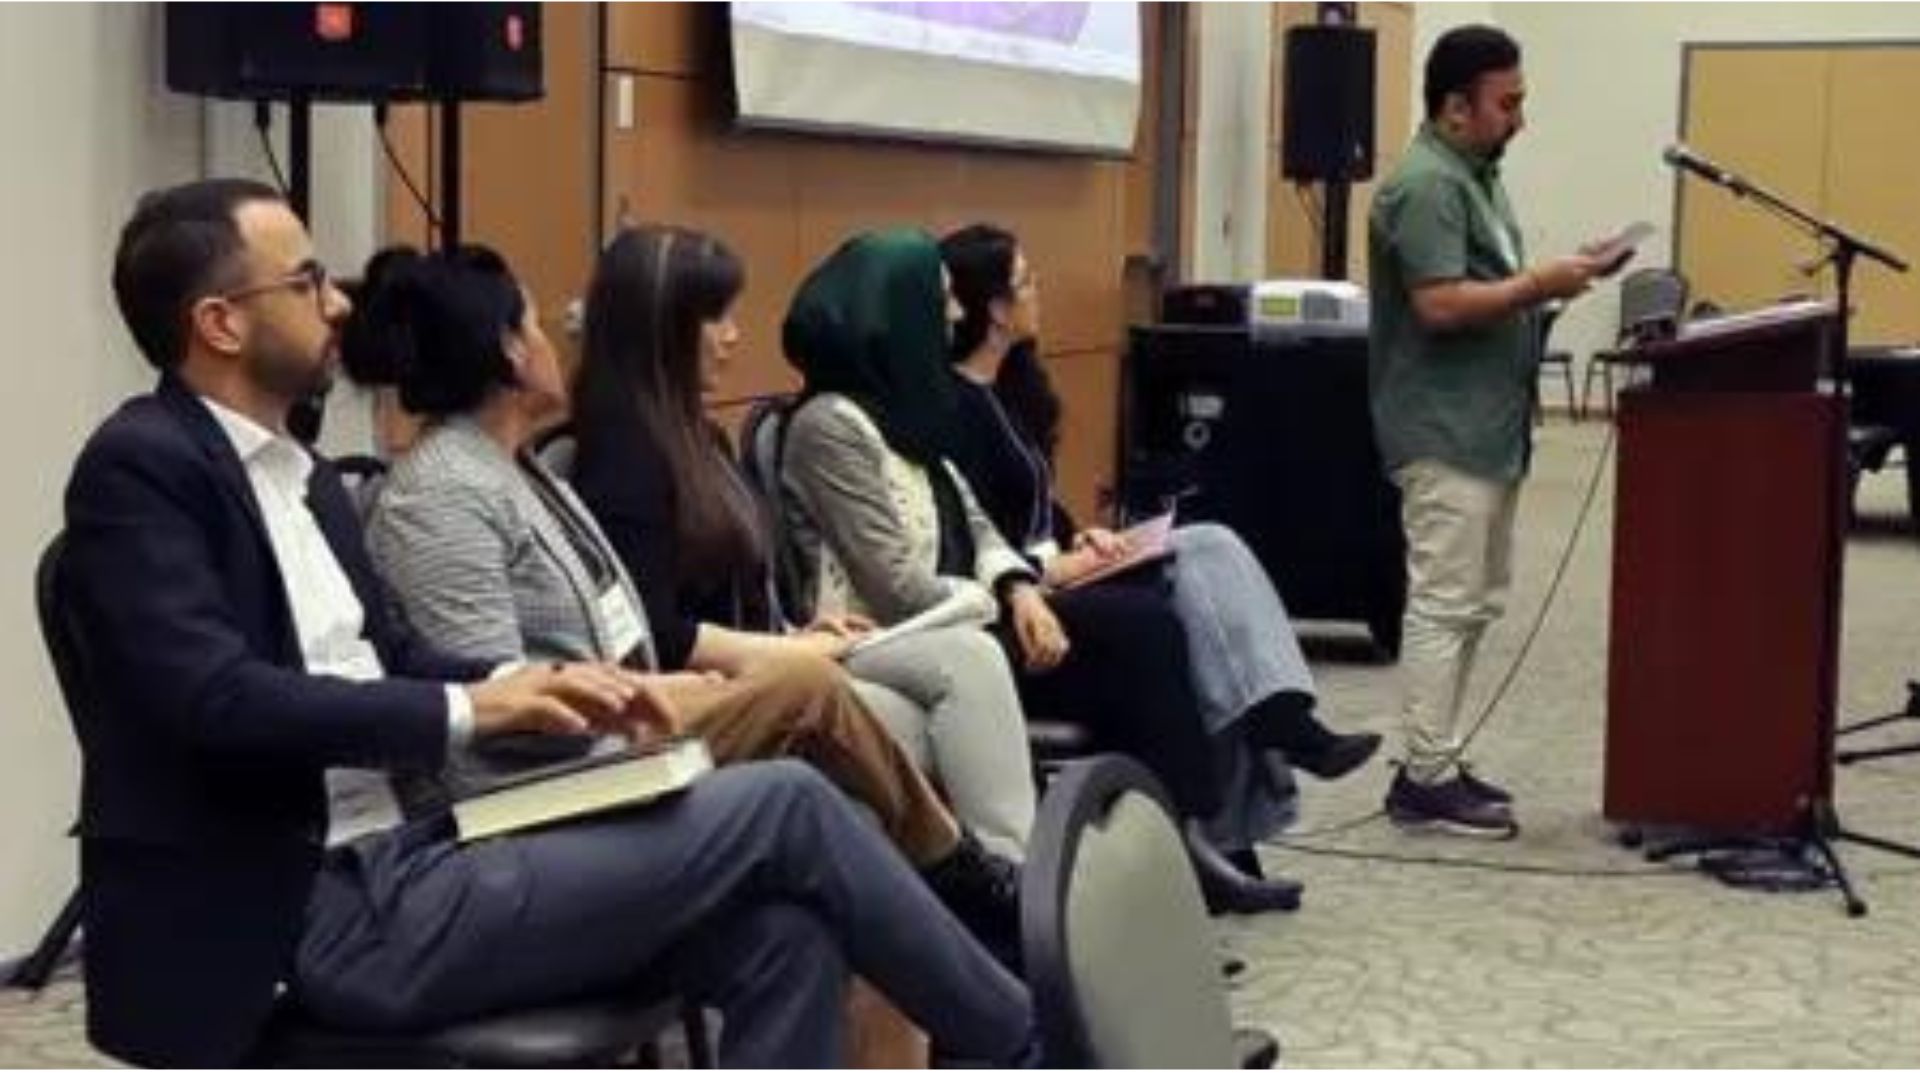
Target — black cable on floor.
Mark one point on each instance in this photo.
(1444, 862)
(1602, 458)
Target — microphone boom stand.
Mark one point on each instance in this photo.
(1821, 824)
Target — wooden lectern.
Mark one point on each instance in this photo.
(1728, 537)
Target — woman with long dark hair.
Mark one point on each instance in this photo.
(885, 526)
(1249, 675)
(658, 475)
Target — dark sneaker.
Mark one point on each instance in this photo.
(1449, 807)
(1486, 790)
(983, 891)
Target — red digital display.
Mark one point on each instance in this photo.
(333, 22)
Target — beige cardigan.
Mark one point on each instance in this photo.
(863, 522)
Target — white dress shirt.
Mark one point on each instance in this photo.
(327, 616)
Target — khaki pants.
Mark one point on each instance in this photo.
(805, 708)
(1459, 531)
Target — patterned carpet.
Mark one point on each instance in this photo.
(1577, 953)
(1596, 958)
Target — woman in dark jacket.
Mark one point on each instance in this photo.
(1249, 675)
(886, 526)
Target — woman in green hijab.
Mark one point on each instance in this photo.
(884, 526)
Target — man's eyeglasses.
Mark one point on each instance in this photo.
(309, 276)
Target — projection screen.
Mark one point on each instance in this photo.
(1060, 75)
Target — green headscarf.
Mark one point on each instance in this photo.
(871, 323)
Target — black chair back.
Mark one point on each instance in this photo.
(1653, 301)
(362, 475)
(58, 630)
(760, 436)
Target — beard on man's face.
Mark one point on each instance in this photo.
(1499, 148)
(291, 372)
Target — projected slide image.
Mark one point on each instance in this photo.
(1057, 22)
(1075, 38)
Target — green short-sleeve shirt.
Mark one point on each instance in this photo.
(1464, 397)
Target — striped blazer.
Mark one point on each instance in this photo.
(482, 566)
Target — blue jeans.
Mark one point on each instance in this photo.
(1242, 650)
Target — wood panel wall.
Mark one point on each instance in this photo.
(783, 201)
(1827, 127)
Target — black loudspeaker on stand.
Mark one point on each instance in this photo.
(374, 53)
(356, 52)
(1328, 126)
(1327, 129)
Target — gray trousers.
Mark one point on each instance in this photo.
(756, 892)
(949, 699)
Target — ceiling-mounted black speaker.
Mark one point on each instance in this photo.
(356, 52)
(340, 52)
(1328, 126)
(485, 52)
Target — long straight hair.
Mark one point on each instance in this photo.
(653, 288)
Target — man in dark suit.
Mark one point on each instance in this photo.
(249, 691)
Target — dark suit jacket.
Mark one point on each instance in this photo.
(203, 740)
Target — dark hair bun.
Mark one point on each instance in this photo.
(375, 341)
(433, 326)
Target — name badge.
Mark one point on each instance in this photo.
(620, 622)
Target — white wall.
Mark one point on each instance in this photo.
(1604, 99)
(86, 132)
(89, 125)
(1430, 20)
(1230, 168)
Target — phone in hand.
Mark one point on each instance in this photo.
(1613, 253)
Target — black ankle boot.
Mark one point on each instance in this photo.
(983, 891)
(1285, 722)
(1247, 861)
(1228, 890)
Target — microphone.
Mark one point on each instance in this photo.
(1680, 157)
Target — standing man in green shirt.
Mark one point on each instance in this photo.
(1454, 353)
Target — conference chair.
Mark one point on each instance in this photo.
(362, 475)
(1554, 358)
(1869, 448)
(1119, 954)
(609, 1029)
(1652, 302)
